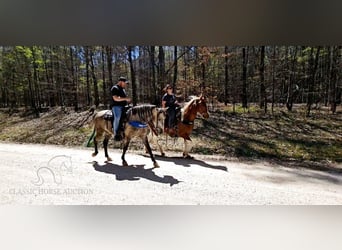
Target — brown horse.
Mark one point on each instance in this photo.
(148, 117)
(186, 124)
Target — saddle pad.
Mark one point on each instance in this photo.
(137, 124)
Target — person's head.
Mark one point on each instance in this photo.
(168, 89)
(123, 82)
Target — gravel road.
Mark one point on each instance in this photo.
(46, 174)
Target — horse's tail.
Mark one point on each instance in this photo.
(92, 112)
(91, 138)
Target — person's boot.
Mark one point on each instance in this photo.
(172, 132)
(117, 137)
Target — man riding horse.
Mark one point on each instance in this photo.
(118, 102)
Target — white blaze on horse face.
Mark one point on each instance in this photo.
(203, 108)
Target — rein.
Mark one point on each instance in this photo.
(145, 114)
(153, 128)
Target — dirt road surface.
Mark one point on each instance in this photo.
(46, 174)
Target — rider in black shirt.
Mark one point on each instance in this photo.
(169, 101)
(118, 101)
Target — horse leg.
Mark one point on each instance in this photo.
(155, 141)
(125, 147)
(95, 145)
(187, 148)
(147, 145)
(105, 146)
(160, 147)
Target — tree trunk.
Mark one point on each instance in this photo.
(32, 79)
(334, 79)
(175, 72)
(58, 77)
(96, 89)
(109, 54)
(31, 90)
(2, 79)
(226, 75)
(161, 67)
(285, 71)
(37, 93)
(203, 76)
(74, 82)
(104, 84)
(273, 76)
(263, 98)
(155, 96)
(134, 87)
(289, 100)
(86, 55)
(244, 77)
(313, 70)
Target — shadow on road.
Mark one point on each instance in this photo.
(134, 173)
(180, 161)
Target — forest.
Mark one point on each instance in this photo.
(41, 77)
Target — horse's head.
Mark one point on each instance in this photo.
(159, 119)
(201, 105)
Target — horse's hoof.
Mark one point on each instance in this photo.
(93, 154)
(124, 163)
(163, 154)
(156, 165)
(109, 159)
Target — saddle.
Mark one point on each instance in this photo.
(109, 116)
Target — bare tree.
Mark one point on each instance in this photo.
(225, 75)
(289, 100)
(175, 63)
(263, 97)
(313, 65)
(161, 66)
(93, 74)
(153, 73)
(88, 93)
(134, 87)
(244, 77)
(104, 83)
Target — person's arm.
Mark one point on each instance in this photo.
(176, 102)
(121, 99)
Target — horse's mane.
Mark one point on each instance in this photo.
(141, 113)
(190, 103)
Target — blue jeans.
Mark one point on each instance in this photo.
(117, 111)
(171, 111)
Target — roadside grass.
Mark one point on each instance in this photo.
(282, 136)
(247, 134)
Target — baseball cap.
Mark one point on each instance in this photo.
(123, 79)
